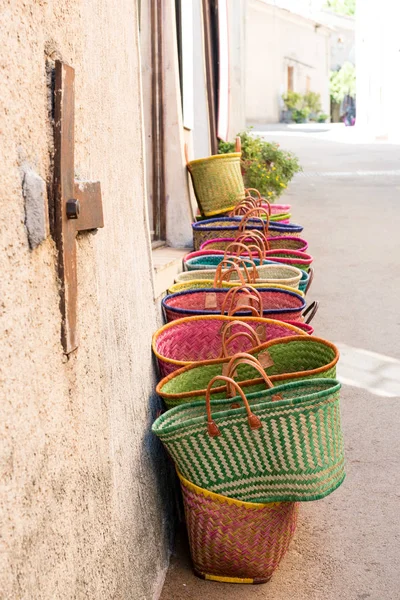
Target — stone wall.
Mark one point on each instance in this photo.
(83, 508)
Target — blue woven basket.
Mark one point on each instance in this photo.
(222, 227)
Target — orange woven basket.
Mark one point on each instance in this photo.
(236, 542)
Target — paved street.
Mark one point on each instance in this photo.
(347, 546)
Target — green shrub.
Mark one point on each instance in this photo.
(312, 100)
(293, 100)
(264, 166)
(323, 118)
(301, 115)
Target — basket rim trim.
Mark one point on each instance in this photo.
(213, 157)
(225, 499)
(265, 346)
(162, 329)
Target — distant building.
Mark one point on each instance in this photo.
(286, 49)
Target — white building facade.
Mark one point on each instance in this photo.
(284, 51)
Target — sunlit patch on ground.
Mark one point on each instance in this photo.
(377, 373)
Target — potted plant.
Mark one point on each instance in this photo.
(264, 165)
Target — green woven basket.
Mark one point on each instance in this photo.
(288, 359)
(285, 444)
(217, 182)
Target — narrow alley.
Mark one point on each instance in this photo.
(346, 546)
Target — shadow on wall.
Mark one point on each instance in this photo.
(164, 472)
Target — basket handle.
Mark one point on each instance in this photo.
(243, 207)
(310, 279)
(221, 276)
(250, 293)
(255, 213)
(212, 428)
(247, 265)
(311, 310)
(242, 249)
(236, 360)
(248, 190)
(233, 266)
(256, 236)
(238, 144)
(249, 334)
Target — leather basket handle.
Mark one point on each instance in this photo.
(212, 427)
(311, 311)
(250, 293)
(256, 236)
(235, 361)
(255, 213)
(249, 334)
(245, 250)
(221, 275)
(310, 279)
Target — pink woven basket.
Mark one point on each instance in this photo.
(280, 242)
(236, 542)
(192, 339)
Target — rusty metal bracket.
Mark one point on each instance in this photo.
(77, 205)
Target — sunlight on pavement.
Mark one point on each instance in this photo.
(332, 132)
(377, 373)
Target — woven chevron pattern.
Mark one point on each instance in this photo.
(199, 338)
(277, 304)
(236, 540)
(223, 227)
(296, 455)
(285, 242)
(294, 358)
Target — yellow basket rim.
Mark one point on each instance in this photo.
(224, 499)
(211, 213)
(199, 161)
(282, 286)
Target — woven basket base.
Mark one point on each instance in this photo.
(221, 579)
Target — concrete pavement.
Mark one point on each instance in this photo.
(347, 546)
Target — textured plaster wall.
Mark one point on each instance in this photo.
(82, 504)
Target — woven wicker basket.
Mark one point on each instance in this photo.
(285, 242)
(232, 541)
(276, 304)
(283, 444)
(225, 227)
(217, 182)
(292, 258)
(288, 359)
(197, 284)
(266, 274)
(192, 339)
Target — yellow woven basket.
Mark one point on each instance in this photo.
(217, 182)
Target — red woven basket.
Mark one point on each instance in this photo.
(273, 303)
